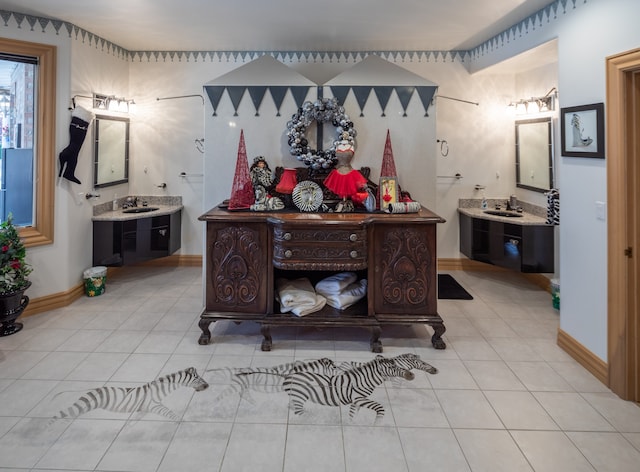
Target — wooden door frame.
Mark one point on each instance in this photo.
(621, 335)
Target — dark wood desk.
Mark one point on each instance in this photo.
(247, 251)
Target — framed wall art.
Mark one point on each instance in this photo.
(582, 131)
(388, 191)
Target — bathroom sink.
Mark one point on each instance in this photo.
(507, 213)
(140, 209)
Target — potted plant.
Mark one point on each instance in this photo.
(14, 272)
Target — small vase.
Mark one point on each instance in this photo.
(12, 305)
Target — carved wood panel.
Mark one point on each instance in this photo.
(405, 269)
(237, 268)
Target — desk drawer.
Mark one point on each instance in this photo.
(319, 248)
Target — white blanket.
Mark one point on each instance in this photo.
(345, 297)
(298, 296)
(336, 283)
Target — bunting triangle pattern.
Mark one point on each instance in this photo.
(362, 94)
(267, 73)
(242, 193)
(404, 95)
(236, 93)
(383, 93)
(257, 94)
(215, 94)
(426, 96)
(299, 94)
(277, 94)
(340, 92)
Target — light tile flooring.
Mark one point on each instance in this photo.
(506, 398)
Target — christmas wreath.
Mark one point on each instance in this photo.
(322, 111)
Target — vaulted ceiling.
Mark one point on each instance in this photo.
(287, 25)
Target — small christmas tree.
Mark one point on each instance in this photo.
(388, 165)
(242, 193)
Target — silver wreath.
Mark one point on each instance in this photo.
(322, 111)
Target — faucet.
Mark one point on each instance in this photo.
(130, 202)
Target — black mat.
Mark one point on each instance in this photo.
(450, 289)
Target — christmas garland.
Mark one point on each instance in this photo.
(322, 111)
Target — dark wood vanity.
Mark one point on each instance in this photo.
(247, 251)
(137, 239)
(523, 247)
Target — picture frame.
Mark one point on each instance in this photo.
(582, 131)
(388, 191)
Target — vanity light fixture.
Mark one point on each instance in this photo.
(105, 102)
(111, 103)
(536, 104)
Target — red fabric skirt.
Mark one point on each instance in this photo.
(345, 185)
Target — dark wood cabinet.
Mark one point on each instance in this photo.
(524, 248)
(121, 242)
(247, 251)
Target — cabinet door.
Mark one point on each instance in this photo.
(107, 237)
(402, 269)
(238, 270)
(506, 245)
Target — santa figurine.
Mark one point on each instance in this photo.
(344, 180)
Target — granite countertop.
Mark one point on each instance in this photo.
(531, 214)
(164, 205)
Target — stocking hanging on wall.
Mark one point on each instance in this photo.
(68, 159)
(242, 194)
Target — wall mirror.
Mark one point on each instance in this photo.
(534, 154)
(111, 151)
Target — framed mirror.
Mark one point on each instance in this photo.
(534, 154)
(111, 151)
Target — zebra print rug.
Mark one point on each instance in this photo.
(319, 381)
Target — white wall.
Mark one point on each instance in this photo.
(600, 29)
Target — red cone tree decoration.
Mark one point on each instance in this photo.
(388, 164)
(242, 194)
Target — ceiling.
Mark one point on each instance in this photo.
(287, 25)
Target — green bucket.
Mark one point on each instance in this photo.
(95, 281)
(555, 293)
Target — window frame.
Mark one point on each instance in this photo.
(41, 232)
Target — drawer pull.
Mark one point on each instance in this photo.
(353, 254)
(288, 254)
(353, 237)
(286, 236)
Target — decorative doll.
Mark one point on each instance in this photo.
(262, 180)
(344, 180)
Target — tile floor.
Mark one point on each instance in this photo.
(506, 398)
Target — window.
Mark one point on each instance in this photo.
(42, 124)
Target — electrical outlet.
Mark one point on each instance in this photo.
(601, 211)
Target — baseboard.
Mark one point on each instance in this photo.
(53, 301)
(176, 260)
(598, 368)
(540, 280)
(62, 299)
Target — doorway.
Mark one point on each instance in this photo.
(623, 194)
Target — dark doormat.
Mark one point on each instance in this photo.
(450, 289)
